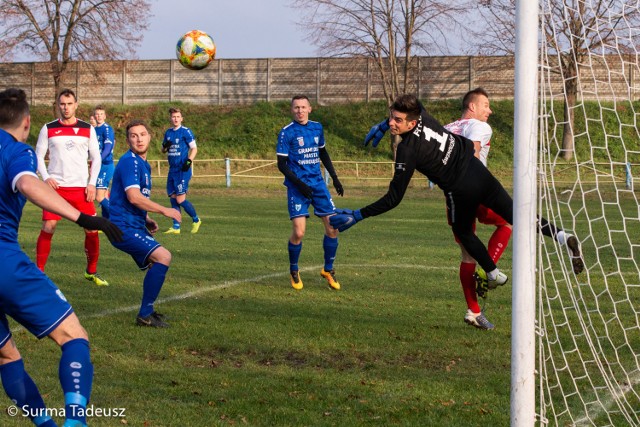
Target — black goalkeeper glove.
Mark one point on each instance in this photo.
(166, 144)
(337, 185)
(98, 223)
(305, 190)
(186, 165)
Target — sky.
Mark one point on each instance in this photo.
(240, 28)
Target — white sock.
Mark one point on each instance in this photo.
(562, 237)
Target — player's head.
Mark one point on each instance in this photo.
(14, 113)
(138, 137)
(175, 115)
(300, 109)
(404, 114)
(67, 104)
(475, 105)
(100, 114)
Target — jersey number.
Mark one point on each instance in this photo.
(440, 137)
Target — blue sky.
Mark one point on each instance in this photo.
(240, 28)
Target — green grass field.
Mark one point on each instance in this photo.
(244, 348)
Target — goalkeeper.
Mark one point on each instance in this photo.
(447, 160)
(180, 146)
(300, 149)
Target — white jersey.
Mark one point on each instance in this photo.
(475, 130)
(70, 147)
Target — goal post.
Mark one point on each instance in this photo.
(523, 342)
(575, 346)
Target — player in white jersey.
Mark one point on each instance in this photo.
(473, 125)
(71, 143)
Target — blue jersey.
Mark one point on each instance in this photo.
(106, 141)
(16, 160)
(132, 171)
(182, 140)
(301, 145)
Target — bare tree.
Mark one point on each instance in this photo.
(61, 31)
(571, 29)
(392, 32)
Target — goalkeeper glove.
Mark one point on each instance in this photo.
(99, 223)
(305, 190)
(345, 219)
(186, 165)
(376, 133)
(166, 144)
(337, 185)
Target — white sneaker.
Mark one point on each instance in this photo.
(500, 280)
(478, 320)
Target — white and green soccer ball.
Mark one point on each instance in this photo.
(195, 50)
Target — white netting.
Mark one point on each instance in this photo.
(589, 324)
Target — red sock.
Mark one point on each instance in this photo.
(92, 250)
(43, 249)
(498, 242)
(469, 285)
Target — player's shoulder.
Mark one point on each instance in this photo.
(287, 128)
(312, 124)
(82, 124)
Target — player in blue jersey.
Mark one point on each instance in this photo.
(130, 202)
(106, 141)
(300, 149)
(26, 293)
(180, 146)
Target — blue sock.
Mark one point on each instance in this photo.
(175, 205)
(104, 204)
(330, 246)
(76, 378)
(190, 210)
(24, 393)
(153, 281)
(294, 256)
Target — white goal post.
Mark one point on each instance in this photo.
(576, 337)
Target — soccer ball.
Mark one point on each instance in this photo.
(195, 50)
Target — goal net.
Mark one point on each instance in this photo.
(588, 325)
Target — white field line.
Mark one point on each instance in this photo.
(232, 283)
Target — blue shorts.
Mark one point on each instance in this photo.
(321, 201)
(28, 296)
(178, 182)
(139, 244)
(104, 178)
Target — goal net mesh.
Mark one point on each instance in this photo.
(588, 324)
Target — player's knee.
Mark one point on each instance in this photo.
(69, 329)
(161, 256)
(9, 352)
(49, 226)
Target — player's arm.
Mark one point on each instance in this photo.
(43, 196)
(404, 168)
(328, 165)
(283, 166)
(96, 164)
(193, 150)
(42, 145)
(107, 148)
(477, 146)
(136, 198)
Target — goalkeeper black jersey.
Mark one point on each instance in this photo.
(433, 151)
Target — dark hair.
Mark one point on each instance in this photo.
(13, 107)
(408, 104)
(298, 97)
(471, 96)
(133, 123)
(174, 110)
(99, 107)
(67, 92)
